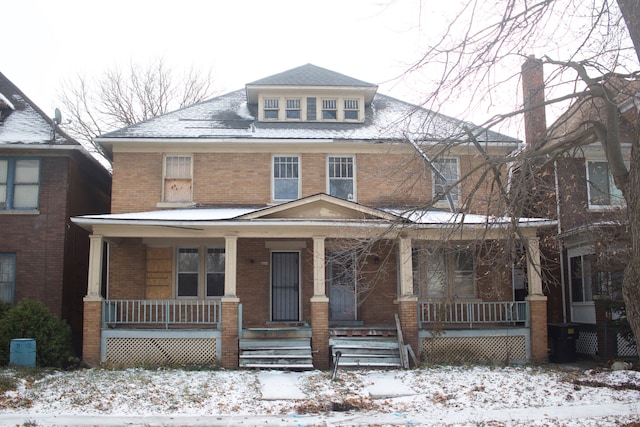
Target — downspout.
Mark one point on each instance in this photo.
(560, 245)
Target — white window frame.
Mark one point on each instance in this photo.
(328, 105)
(274, 179)
(293, 104)
(166, 178)
(352, 178)
(202, 272)
(269, 105)
(8, 268)
(351, 105)
(612, 192)
(451, 183)
(9, 183)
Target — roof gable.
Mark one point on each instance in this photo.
(310, 75)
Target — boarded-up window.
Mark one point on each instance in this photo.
(177, 179)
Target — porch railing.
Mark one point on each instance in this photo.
(161, 312)
(504, 313)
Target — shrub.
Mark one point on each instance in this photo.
(31, 319)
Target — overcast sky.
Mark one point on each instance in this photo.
(239, 40)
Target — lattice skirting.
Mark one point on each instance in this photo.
(128, 351)
(587, 343)
(440, 349)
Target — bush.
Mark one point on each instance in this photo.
(31, 319)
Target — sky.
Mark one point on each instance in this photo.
(47, 41)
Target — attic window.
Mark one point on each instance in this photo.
(271, 108)
(351, 109)
(329, 109)
(293, 109)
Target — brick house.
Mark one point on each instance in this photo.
(46, 177)
(281, 223)
(577, 190)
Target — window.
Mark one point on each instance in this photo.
(7, 276)
(293, 109)
(188, 269)
(19, 183)
(447, 179)
(351, 109)
(177, 179)
(341, 178)
(588, 280)
(189, 284)
(329, 109)
(443, 273)
(285, 178)
(215, 272)
(271, 108)
(602, 190)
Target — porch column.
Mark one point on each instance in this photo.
(92, 304)
(407, 301)
(537, 303)
(230, 306)
(319, 308)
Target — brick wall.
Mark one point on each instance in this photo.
(127, 270)
(91, 332)
(538, 328)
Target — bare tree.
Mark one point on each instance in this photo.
(124, 96)
(590, 47)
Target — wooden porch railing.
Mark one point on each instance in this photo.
(162, 312)
(504, 313)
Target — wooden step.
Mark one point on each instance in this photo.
(276, 353)
(360, 352)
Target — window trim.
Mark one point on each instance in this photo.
(354, 197)
(203, 251)
(618, 197)
(10, 184)
(455, 190)
(421, 253)
(273, 178)
(351, 109)
(323, 109)
(287, 109)
(164, 201)
(13, 256)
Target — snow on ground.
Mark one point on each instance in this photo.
(435, 396)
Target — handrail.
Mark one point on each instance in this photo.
(470, 313)
(161, 312)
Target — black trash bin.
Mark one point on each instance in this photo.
(562, 342)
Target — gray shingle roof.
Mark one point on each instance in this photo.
(310, 75)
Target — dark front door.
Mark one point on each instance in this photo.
(285, 286)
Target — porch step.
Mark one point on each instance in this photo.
(271, 353)
(366, 352)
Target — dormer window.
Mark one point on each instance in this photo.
(351, 109)
(271, 108)
(329, 109)
(293, 109)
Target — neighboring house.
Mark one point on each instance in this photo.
(281, 223)
(46, 177)
(591, 235)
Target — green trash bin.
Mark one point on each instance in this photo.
(22, 352)
(562, 342)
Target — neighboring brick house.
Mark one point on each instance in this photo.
(577, 189)
(46, 177)
(283, 222)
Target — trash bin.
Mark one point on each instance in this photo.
(562, 342)
(22, 352)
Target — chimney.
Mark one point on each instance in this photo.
(535, 122)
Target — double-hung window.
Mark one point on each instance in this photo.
(329, 109)
(444, 273)
(601, 188)
(286, 177)
(446, 179)
(19, 183)
(177, 178)
(200, 272)
(7, 276)
(351, 109)
(294, 109)
(271, 108)
(341, 177)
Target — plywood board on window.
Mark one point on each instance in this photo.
(159, 274)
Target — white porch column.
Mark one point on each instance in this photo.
(318, 268)
(534, 272)
(405, 268)
(95, 266)
(230, 265)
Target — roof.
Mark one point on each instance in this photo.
(231, 116)
(23, 122)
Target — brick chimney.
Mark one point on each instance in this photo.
(535, 122)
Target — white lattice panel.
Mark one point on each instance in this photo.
(587, 343)
(473, 349)
(160, 351)
(625, 348)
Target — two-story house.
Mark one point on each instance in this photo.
(591, 235)
(46, 177)
(294, 218)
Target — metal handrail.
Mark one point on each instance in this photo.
(161, 312)
(470, 313)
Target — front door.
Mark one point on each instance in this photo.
(342, 287)
(285, 286)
